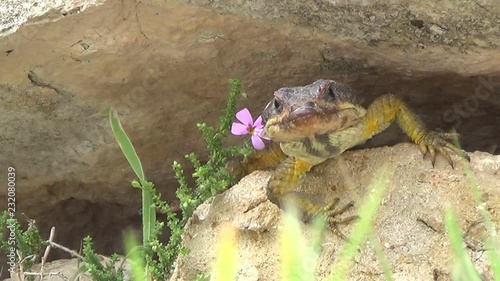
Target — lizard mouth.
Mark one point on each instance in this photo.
(309, 120)
(298, 112)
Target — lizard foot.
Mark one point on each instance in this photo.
(331, 212)
(432, 142)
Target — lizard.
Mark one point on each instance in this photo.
(311, 124)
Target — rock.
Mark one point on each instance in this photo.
(164, 67)
(409, 223)
(16, 12)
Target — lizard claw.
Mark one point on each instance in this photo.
(433, 142)
(331, 212)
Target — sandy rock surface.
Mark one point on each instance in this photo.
(409, 224)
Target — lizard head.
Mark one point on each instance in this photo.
(300, 112)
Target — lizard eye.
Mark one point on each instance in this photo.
(331, 94)
(277, 106)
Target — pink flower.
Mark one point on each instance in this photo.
(248, 126)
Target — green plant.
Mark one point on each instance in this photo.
(94, 267)
(202, 277)
(463, 268)
(210, 178)
(296, 250)
(153, 259)
(24, 247)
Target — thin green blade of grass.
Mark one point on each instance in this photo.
(137, 265)
(148, 209)
(492, 241)
(126, 145)
(318, 233)
(298, 258)
(226, 265)
(76, 275)
(463, 269)
(382, 259)
(363, 227)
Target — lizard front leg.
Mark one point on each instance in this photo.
(384, 110)
(290, 174)
(266, 159)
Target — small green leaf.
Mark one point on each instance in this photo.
(126, 145)
(136, 184)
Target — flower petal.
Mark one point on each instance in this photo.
(245, 117)
(258, 122)
(239, 129)
(257, 142)
(258, 132)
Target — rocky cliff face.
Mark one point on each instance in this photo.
(164, 67)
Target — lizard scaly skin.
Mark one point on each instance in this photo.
(320, 121)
